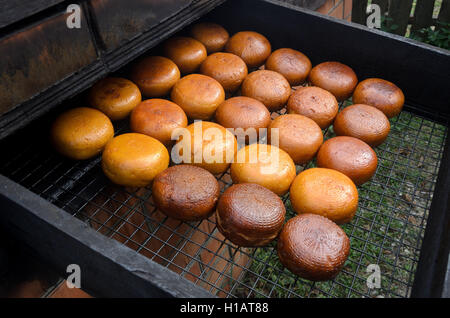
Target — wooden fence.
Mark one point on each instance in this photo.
(398, 13)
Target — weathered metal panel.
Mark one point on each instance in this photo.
(118, 23)
(35, 58)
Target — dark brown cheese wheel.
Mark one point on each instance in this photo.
(313, 247)
(186, 192)
(250, 215)
(349, 155)
(226, 68)
(292, 64)
(213, 36)
(158, 118)
(315, 103)
(187, 53)
(298, 135)
(379, 93)
(363, 122)
(269, 87)
(252, 47)
(114, 96)
(155, 75)
(337, 78)
(245, 115)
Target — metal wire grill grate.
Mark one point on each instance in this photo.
(387, 229)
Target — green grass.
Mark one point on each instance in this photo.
(387, 229)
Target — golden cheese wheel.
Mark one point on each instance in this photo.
(133, 159)
(266, 165)
(325, 192)
(81, 133)
(199, 95)
(207, 145)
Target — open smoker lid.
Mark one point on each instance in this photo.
(52, 50)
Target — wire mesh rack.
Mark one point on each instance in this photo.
(386, 231)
